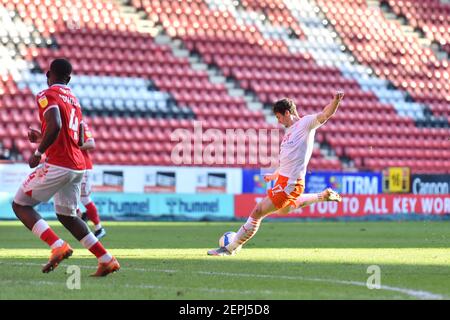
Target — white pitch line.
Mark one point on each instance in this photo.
(420, 294)
(49, 283)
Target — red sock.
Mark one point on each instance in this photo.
(97, 249)
(49, 236)
(92, 213)
(42, 230)
(91, 243)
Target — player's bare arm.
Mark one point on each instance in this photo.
(54, 124)
(34, 135)
(271, 176)
(81, 136)
(88, 145)
(331, 109)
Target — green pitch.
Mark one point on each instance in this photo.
(285, 260)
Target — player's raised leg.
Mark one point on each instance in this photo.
(307, 199)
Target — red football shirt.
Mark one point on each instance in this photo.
(64, 152)
(87, 136)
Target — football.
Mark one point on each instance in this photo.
(226, 238)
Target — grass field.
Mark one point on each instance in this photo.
(286, 260)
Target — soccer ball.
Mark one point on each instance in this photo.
(226, 238)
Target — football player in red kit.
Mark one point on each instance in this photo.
(91, 210)
(60, 175)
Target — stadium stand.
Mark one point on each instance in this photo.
(383, 46)
(430, 17)
(276, 73)
(396, 111)
(108, 59)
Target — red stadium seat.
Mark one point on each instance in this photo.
(363, 128)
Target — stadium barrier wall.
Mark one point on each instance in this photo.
(342, 182)
(358, 206)
(132, 206)
(142, 179)
(140, 206)
(430, 183)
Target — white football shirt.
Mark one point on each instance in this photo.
(297, 146)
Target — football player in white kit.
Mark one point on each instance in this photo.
(295, 153)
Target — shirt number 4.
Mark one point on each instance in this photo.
(74, 124)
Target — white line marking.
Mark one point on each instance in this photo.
(38, 283)
(414, 293)
(420, 294)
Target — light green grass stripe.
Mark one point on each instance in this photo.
(397, 256)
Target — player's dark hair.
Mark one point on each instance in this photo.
(283, 105)
(62, 69)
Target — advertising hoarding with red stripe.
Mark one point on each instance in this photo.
(356, 206)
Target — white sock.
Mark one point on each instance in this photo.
(98, 226)
(245, 233)
(105, 258)
(39, 227)
(89, 240)
(57, 244)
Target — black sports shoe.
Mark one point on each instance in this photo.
(100, 233)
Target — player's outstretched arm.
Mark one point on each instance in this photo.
(54, 124)
(331, 109)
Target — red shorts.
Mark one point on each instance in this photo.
(283, 195)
